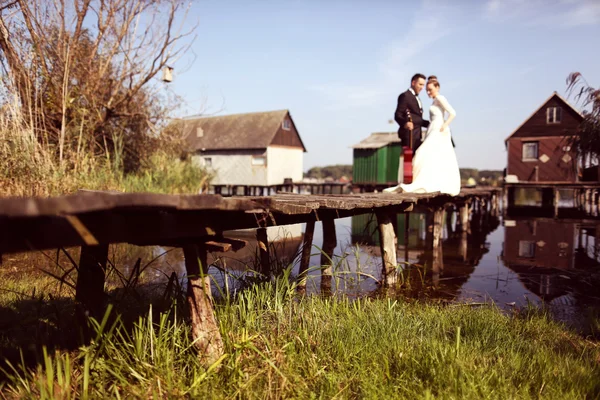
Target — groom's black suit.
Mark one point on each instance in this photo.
(408, 100)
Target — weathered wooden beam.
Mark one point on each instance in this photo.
(205, 329)
(263, 245)
(89, 288)
(387, 243)
(306, 249)
(329, 245)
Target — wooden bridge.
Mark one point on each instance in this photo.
(196, 223)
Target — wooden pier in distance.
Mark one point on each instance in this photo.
(585, 197)
(196, 223)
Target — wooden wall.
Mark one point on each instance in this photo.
(552, 142)
(555, 169)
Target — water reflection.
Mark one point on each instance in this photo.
(512, 262)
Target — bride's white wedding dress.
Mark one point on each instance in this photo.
(435, 168)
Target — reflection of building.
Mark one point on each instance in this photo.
(544, 243)
(448, 267)
(539, 249)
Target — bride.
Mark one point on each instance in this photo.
(435, 168)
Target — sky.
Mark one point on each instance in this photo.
(339, 66)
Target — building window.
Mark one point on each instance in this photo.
(530, 151)
(526, 248)
(553, 115)
(259, 160)
(287, 125)
(207, 161)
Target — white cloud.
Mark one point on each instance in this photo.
(398, 60)
(549, 13)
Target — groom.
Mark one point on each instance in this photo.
(410, 101)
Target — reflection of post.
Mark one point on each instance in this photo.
(437, 265)
(306, 248)
(388, 248)
(596, 243)
(329, 244)
(438, 218)
(406, 235)
(556, 201)
(463, 245)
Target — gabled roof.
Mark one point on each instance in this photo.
(555, 94)
(377, 140)
(235, 131)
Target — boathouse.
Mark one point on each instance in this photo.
(261, 148)
(376, 160)
(538, 150)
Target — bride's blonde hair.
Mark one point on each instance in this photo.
(433, 80)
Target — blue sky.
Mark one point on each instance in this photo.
(338, 66)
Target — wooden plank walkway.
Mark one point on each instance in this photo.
(196, 223)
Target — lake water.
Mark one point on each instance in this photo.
(512, 262)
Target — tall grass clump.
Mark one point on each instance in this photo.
(280, 345)
(31, 166)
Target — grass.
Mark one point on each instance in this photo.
(31, 166)
(281, 345)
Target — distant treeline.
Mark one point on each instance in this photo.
(330, 171)
(488, 175)
(337, 171)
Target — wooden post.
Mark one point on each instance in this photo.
(556, 201)
(406, 235)
(449, 226)
(464, 217)
(395, 225)
(89, 288)
(438, 218)
(329, 245)
(263, 245)
(306, 248)
(205, 329)
(505, 200)
(588, 199)
(387, 242)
